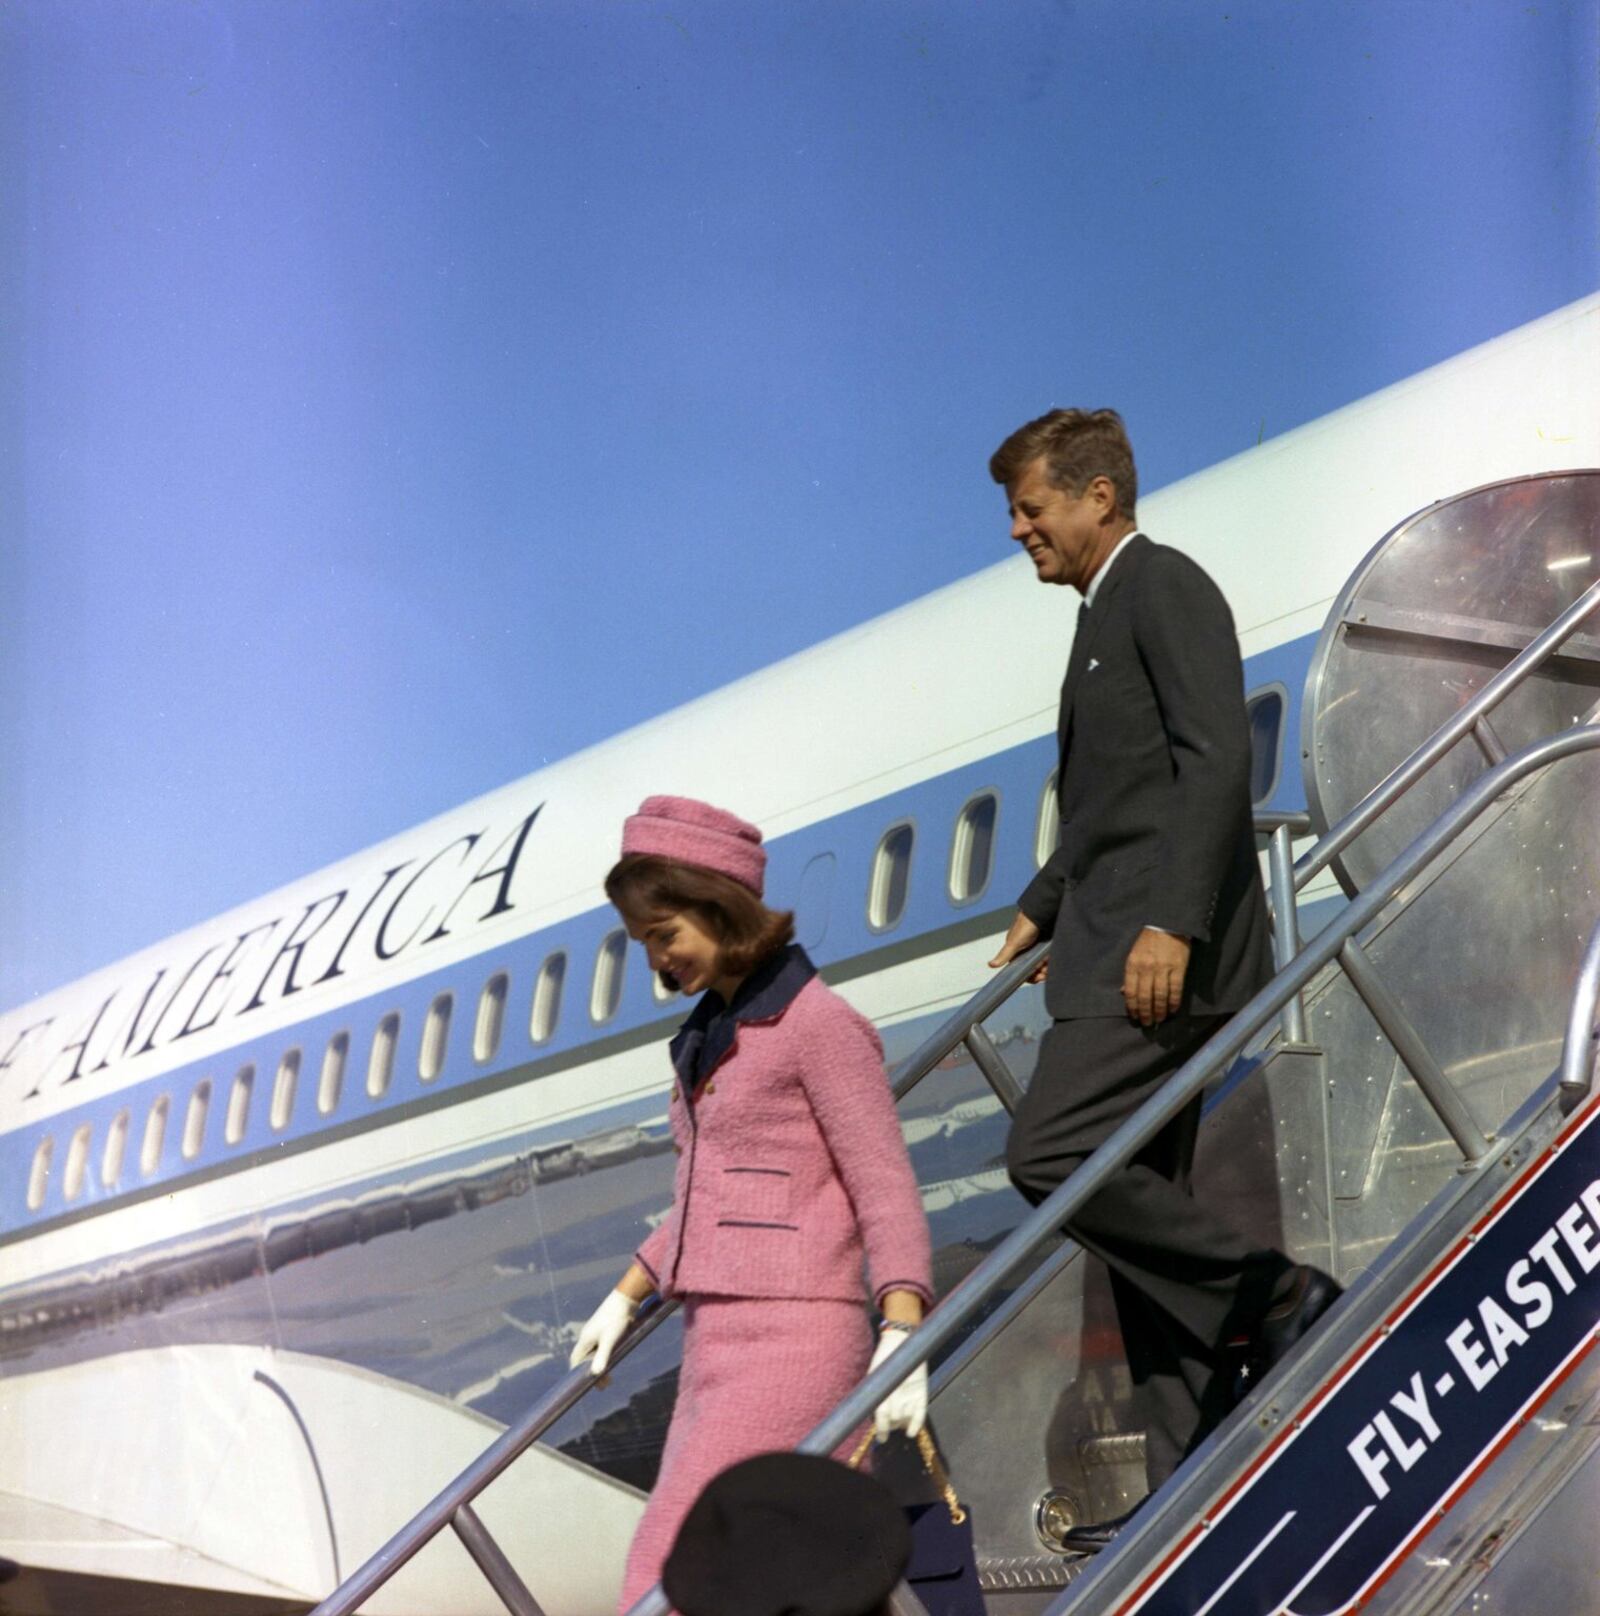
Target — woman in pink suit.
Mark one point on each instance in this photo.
(792, 1172)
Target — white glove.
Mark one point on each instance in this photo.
(606, 1327)
(906, 1407)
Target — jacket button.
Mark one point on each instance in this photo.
(711, 1088)
(677, 1150)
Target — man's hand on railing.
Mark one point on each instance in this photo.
(906, 1407)
(1022, 936)
(606, 1327)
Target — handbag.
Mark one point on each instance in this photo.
(943, 1572)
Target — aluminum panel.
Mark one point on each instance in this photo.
(1439, 606)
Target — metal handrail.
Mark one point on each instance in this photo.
(1578, 1049)
(441, 1511)
(953, 1032)
(1400, 779)
(1287, 876)
(964, 1026)
(1058, 1208)
(1280, 826)
(1267, 820)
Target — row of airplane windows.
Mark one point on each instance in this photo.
(971, 861)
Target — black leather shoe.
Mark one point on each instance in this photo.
(1278, 1333)
(1092, 1538)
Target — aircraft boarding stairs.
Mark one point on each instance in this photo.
(1408, 1104)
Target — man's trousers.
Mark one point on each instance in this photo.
(1184, 1280)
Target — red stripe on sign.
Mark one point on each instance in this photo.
(1490, 1454)
(1531, 1173)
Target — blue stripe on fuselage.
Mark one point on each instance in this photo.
(823, 869)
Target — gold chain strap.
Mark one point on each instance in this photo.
(931, 1462)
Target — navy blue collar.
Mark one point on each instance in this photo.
(764, 995)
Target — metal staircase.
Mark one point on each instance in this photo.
(1390, 1107)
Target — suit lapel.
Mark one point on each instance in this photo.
(1089, 624)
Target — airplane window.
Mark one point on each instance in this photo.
(330, 1081)
(39, 1178)
(380, 1063)
(194, 1120)
(972, 847)
(547, 997)
(891, 877)
(435, 1037)
(116, 1148)
(77, 1161)
(1265, 709)
(1048, 830)
(609, 964)
(288, 1079)
(239, 1105)
(491, 1017)
(155, 1133)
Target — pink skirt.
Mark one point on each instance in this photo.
(757, 1375)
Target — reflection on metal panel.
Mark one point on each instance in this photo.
(469, 1279)
(1512, 1554)
(1439, 606)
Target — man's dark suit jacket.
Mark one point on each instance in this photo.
(1154, 791)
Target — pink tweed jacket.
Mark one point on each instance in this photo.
(792, 1166)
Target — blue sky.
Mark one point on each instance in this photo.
(395, 397)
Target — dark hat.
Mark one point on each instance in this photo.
(788, 1534)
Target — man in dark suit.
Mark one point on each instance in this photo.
(1158, 927)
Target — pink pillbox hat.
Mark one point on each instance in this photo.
(696, 833)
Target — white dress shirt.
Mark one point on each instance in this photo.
(1105, 566)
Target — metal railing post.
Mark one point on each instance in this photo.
(1408, 1043)
(1578, 1050)
(1403, 775)
(1190, 1079)
(496, 1568)
(989, 1061)
(952, 1032)
(504, 1451)
(1044, 1222)
(1286, 925)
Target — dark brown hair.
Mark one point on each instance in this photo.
(1077, 446)
(645, 887)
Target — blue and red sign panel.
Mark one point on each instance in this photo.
(1415, 1416)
